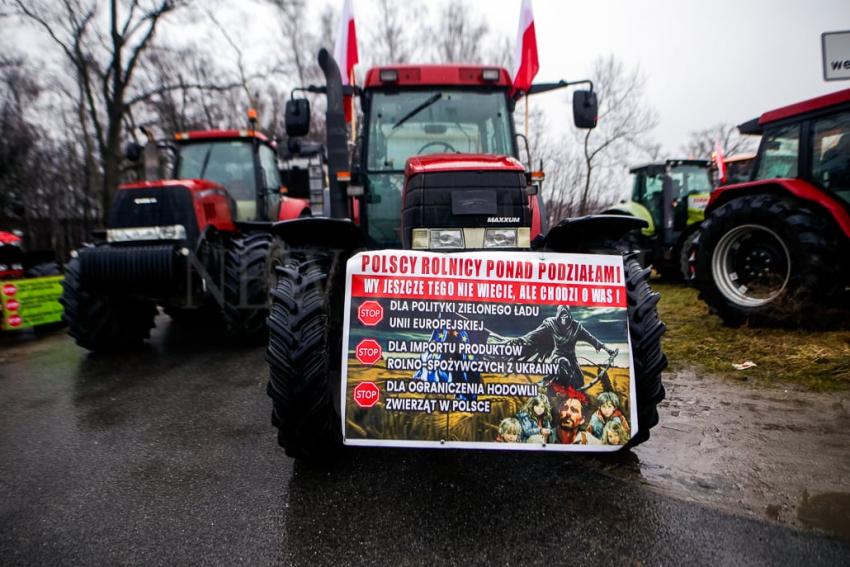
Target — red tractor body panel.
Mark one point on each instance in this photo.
(799, 188)
(292, 208)
(221, 134)
(460, 162)
(805, 106)
(444, 75)
(210, 200)
(7, 238)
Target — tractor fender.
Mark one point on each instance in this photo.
(797, 188)
(634, 209)
(589, 232)
(321, 232)
(293, 208)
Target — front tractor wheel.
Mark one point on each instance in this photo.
(763, 259)
(103, 323)
(305, 324)
(248, 273)
(645, 330)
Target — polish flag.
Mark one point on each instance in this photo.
(718, 161)
(526, 63)
(345, 51)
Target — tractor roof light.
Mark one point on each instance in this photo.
(490, 75)
(389, 75)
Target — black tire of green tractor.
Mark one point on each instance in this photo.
(103, 323)
(645, 330)
(685, 256)
(42, 270)
(803, 237)
(305, 324)
(248, 271)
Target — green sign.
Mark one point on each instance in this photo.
(31, 302)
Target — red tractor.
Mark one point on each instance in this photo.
(776, 248)
(195, 243)
(434, 169)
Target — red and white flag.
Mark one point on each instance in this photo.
(719, 163)
(345, 50)
(526, 63)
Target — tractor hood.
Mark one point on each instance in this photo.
(460, 197)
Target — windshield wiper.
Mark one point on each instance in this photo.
(428, 102)
(206, 162)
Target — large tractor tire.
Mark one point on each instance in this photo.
(305, 338)
(248, 272)
(645, 330)
(765, 259)
(103, 323)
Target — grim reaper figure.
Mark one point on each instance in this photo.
(555, 340)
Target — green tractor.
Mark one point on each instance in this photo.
(671, 197)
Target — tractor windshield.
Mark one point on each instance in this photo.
(402, 124)
(690, 179)
(229, 162)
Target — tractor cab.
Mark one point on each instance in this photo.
(244, 162)
(670, 194)
(415, 111)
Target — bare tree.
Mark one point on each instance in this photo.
(701, 143)
(625, 121)
(585, 170)
(459, 34)
(104, 62)
(392, 41)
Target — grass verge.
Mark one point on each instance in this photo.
(818, 360)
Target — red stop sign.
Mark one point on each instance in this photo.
(15, 321)
(12, 305)
(9, 290)
(368, 351)
(370, 313)
(366, 394)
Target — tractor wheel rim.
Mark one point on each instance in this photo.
(751, 265)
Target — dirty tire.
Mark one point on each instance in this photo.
(303, 355)
(685, 256)
(103, 323)
(796, 239)
(248, 268)
(645, 330)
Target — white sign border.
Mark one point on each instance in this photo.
(485, 445)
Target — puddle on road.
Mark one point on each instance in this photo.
(829, 512)
(759, 452)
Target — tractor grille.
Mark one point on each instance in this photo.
(130, 269)
(461, 199)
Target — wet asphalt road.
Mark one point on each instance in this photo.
(166, 456)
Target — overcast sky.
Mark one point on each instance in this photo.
(705, 62)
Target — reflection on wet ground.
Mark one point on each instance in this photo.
(165, 454)
(757, 451)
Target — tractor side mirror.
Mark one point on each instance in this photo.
(133, 151)
(585, 109)
(297, 117)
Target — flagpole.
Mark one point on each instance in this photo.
(526, 120)
(353, 108)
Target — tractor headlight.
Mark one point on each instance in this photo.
(446, 239)
(500, 238)
(169, 232)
